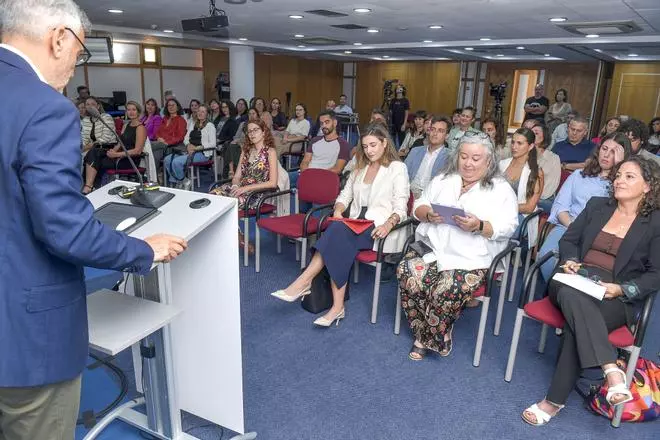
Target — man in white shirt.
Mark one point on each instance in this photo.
(343, 107)
(425, 162)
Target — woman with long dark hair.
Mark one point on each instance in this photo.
(241, 110)
(558, 112)
(549, 163)
(151, 119)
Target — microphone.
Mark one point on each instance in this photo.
(143, 196)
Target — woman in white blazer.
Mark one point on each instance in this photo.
(525, 177)
(450, 259)
(199, 142)
(377, 190)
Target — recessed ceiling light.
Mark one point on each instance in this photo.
(115, 11)
(520, 47)
(558, 19)
(373, 31)
(296, 17)
(592, 36)
(348, 52)
(500, 55)
(469, 48)
(484, 39)
(598, 50)
(242, 39)
(435, 26)
(427, 41)
(299, 36)
(633, 55)
(362, 10)
(168, 31)
(546, 54)
(301, 45)
(385, 56)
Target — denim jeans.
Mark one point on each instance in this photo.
(175, 165)
(546, 204)
(551, 243)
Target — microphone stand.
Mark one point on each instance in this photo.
(149, 198)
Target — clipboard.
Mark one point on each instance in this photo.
(447, 212)
(358, 226)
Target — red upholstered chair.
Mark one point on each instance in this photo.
(375, 259)
(246, 214)
(563, 177)
(210, 163)
(548, 315)
(483, 294)
(316, 186)
(119, 124)
(129, 174)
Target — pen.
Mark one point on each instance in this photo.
(564, 266)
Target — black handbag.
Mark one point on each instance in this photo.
(320, 298)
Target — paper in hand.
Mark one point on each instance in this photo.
(447, 213)
(582, 284)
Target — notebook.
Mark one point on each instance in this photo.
(582, 284)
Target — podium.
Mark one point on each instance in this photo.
(182, 320)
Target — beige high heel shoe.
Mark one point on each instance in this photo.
(324, 322)
(281, 294)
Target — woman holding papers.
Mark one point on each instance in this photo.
(377, 190)
(452, 255)
(615, 241)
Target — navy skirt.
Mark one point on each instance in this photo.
(339, 246)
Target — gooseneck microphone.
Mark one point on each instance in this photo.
(143, 196)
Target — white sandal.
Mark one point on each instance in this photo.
(542, 417)
(620, 388)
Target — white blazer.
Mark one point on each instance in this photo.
(533, 224)
(208, 137)
(389, 195)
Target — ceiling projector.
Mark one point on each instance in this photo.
(205, 24)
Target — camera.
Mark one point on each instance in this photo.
(497, 91)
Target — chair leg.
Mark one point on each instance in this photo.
(303, 253)
(257, 245)
(356, 271)
(514, 276)
(520, 314)
(528, 262)
(297, 250)
(374, 302)
(397, 312)
(481, 332)
(279, 244)
(502, 296)
(246, 242)
(630, 371)
(543, 338)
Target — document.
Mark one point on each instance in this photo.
(582, 284)
(446, 212)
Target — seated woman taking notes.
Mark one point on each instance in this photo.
(616, 241)
(436, 286)
(377, 190)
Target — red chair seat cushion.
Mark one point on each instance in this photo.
(367, 256)
(543, 310)
(265, 209)
(206, 163)
(290, 225)
(622, 337)
(125, 172)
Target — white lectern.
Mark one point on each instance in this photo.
(190, 348)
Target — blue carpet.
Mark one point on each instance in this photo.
(355, 381)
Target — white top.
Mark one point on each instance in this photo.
(521, 192)
(345, 109)
(27, 60)
(423, 176)
(365, 191)
(551, 165)
(208, 137)
(298, 128)
(456, 249)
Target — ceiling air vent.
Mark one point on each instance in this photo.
(349, 27)
(326, 13)
(319, 41)
(601, 27)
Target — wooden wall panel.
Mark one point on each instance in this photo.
(579, 80)
(431, 85)
(214, 62)
(635, 91)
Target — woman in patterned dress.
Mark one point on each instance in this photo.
(257, 169)
(451, 256)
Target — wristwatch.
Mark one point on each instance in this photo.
(481, 226)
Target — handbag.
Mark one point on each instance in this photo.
(320, 298)
(645, 388)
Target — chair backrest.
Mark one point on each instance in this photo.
(411, 204)
(318, 186)
(564, 175)
(119, 124)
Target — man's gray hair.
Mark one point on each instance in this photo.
(474, 137)
(34, 18)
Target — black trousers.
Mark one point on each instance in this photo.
(584, 342)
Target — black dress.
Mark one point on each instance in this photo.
(97, 157)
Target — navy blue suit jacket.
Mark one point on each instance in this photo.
(47, 233)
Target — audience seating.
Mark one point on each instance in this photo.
(548, 315)
(246, 214)
(482, 295)
(298, 152)
(315, 186)
(209, 163)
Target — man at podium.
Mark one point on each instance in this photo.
(47, 229)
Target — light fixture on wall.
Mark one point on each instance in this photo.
(149, 55)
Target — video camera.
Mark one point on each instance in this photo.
(498, 91)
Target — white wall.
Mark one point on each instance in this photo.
(152, 85)
(186, 84)
(105, 80)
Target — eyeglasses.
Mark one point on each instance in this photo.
(254, 130)
(437, 130)
(85, 55)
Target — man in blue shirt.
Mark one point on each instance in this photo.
(575, 150)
